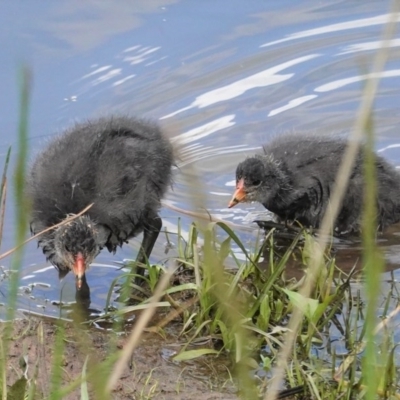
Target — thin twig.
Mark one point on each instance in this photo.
(342, 179)
(173, 314)
(65, 221)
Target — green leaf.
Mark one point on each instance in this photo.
(306, 305)
(226, 339)
(181, 288)
(191, 354)
(84, 388)
(143, 307)
(225, 249)
(265, 313)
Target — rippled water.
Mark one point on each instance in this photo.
(222, 80)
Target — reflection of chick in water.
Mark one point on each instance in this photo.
(82, 296)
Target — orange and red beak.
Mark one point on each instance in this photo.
(240, 194)
(79, 269)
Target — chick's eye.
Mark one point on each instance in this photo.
(256, 182)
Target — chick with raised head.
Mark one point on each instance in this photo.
(295, 176)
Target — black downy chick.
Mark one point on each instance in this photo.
(120, 164)
(295, 176)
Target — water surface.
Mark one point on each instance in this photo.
(222, 80)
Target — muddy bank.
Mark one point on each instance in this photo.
(153, 374)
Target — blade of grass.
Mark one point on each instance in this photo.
(56, 371)
(373, 264)
(21, 218)
(19, 180)
(4, 176)
(343, 174)
(3, 208)
(3, 192)
(192, 354)
(84, 388)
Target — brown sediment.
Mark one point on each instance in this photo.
(153, 375)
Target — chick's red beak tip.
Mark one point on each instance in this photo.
(79, 269)
(233, 202)
(239, 196)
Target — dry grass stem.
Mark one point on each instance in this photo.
(173, 314)
(363, 115)
(66, 221)
(137, 331)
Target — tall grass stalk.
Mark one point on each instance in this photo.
(21, 221)
(3, 193)
(215, 293)
(230, 313)
(373, 263)
(342, 179)
(21, 203)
